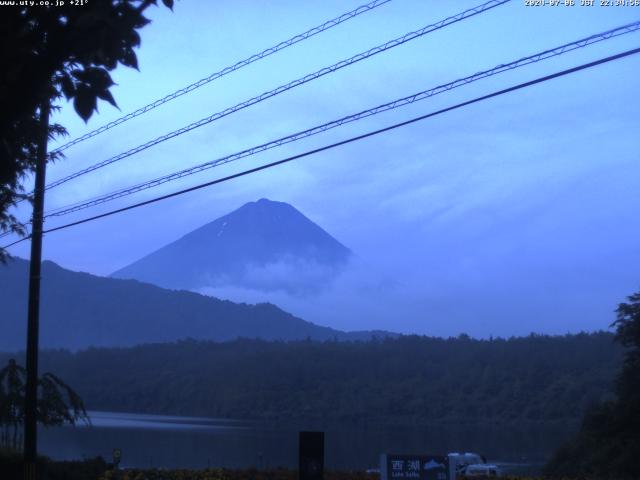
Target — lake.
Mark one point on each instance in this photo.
(191, 442)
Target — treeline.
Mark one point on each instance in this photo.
(409, 379)
(608, 442)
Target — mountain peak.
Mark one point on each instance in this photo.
(263, 205)
(263, 202)
(265, 245)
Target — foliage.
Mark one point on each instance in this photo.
(88, 469)
(608, 444)
(248, 474)
(224, 474)
(628, 334)
(409, 380)
(12, 388)
(12, 467)
(98, 469)
(57, 402)
(49, 52)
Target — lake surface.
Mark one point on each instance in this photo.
(191, 442)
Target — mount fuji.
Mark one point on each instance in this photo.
(263, 246)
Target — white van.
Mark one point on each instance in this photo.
(481, 470)
(470, 465)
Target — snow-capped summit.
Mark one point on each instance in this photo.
(263, 245)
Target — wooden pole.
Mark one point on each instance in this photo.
(31, 395)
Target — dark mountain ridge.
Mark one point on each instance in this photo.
(79, 310)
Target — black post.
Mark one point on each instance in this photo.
(31, 396)
(311, 456)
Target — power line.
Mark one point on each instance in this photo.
(283, 88)
(6, 233)
(349, 140)
(17, 241)
(632, 27)
(232, 68)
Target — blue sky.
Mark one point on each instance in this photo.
(506, 217)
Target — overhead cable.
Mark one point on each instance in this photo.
(225, 71)
(550, 53)
(347, 141)
(286, 87)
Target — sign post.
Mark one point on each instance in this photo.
(117, 454)
(414, 467)
(311, 456)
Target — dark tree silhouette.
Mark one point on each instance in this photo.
(519, 382)
(12, 387)
(49, 52)
(608, 444)
(58, 403)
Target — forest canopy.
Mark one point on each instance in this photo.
(406, 380)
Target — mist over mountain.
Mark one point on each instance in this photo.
(264, 246)
(79, 310)
(269, 252)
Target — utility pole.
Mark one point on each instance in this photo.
(31, 396)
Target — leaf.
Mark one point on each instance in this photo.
(79, 74)
(84, 103)
(133, 39)
(168, 4)
(67, 86)
(141, 21)
(129, 58)
(98, 78)
(106, 96)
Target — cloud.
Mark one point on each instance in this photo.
(357, 298)
(289, 274)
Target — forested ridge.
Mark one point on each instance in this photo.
(409, 380)
(79, 310)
